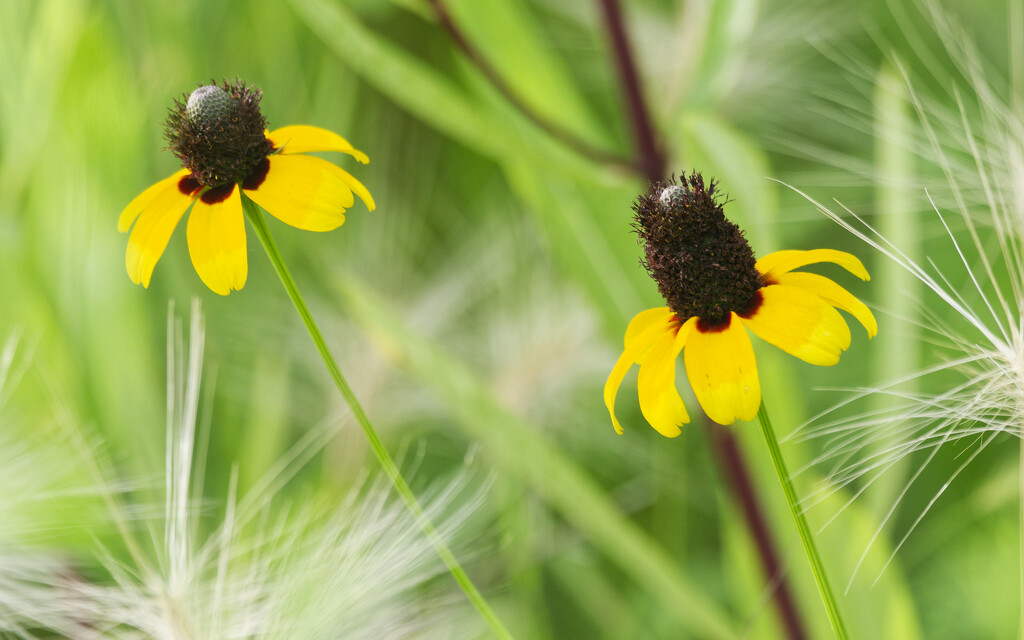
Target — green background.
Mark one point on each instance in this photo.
(479, 309)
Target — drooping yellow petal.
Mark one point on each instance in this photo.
(642, 321)
(656, 383)
(801, 324)
(640, 344)
(302, 191)
(152, 232)
(833, 294)
(136, 206)
(723, 372)
(775, 264)
(355, 186)
(300, 138)
(216, 240)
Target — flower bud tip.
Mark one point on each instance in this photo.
(208, 104)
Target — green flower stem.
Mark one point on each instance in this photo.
(252, 212)
(801, 524)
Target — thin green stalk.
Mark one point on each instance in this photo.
(801, 524)
(897, 349)
(255, 216)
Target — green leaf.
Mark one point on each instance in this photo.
(511, 41)
(723, 37)
(432, 97)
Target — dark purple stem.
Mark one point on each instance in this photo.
(651, 160)
(652, 163)
(734, 468)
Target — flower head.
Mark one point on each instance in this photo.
(226, 153)
(715, 291)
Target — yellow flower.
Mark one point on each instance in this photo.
(705, 269)
(226, 151)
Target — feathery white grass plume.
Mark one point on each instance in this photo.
(936, 49)
(977, 328)
(983, 343)
(45, 497)
(316, 569)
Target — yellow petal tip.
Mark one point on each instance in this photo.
(750, 415)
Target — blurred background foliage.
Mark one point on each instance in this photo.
(479, 309)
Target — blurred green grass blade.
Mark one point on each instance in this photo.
(713, 146)
(595, 246)
(749, 592)
(586, 223)
(531, 159)
(594, 592)
(414, 85)
(727, 29)
(507, 35)
(518, 520)
(37, 45)
(978, 549)
(519, 450)
(428, 95)
(896, 350)
(268, 408)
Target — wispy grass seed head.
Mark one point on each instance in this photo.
(358, 568)
(978, 326)
(961, 145)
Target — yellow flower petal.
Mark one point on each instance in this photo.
(300, 138)
(801, 324)
(642, 321)
(723, 372)
(833, 294)
(152, 231)
(775, 264)
(216, 240)
(356, 186)
(302, 191)
(656, 384)
(136, 206)
(640, 344)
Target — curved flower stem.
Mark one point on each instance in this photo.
(801, 524)
(255, 216)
